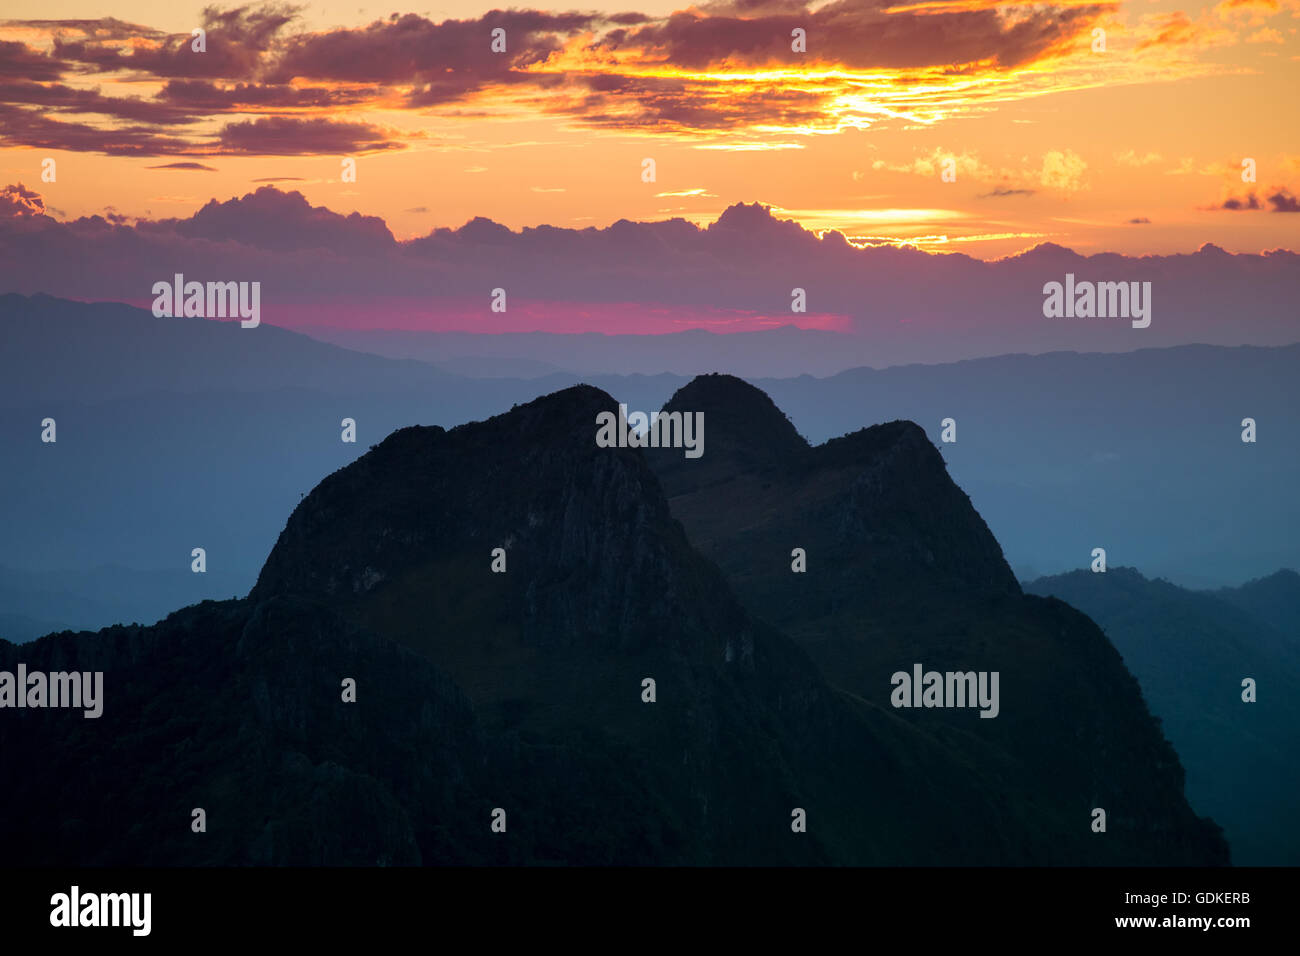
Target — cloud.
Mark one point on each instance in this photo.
(209, 96)
(1254, 11)
(19, 61)
(1131, 158)
(1003, 191)
(742, 147)
(1266, 35)
(1139, 221)
(235, 45)
(104, 28)
(1250, 202)
(30, 128)
(931, 165)
(1284, 201)
(183, 166)
(1063, 171)
(288, 136)
(672, 103)
(858, 35)
(1177, 31)
(720, 68)
(18, 202)
(57, 97)
(270, 219)
(320, 266)
(409, 49)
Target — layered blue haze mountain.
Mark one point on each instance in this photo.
(1191, 652)
(182, 433)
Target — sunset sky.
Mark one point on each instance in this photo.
(1137, 149)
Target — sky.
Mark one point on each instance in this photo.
(1096, 126)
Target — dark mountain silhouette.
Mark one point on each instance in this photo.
(522, 690)
(235, 709)
(1190, 650)
(876, 503)
(901, 570)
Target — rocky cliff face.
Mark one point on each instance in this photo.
(595, 562)
(528, 689)
(901, 570)
(236, 708)
(876, 506)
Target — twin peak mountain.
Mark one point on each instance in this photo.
(523, 691)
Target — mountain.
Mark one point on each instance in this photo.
(900, 571)
(1061, 452)
(781, 351)
(523, 690)
(235, 710)
(1191, 650)
(65, 351)
(182, 433)
(174, 434)
(1274, 599)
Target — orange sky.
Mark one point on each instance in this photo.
(1133, 149)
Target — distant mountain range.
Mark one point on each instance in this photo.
(525, 689)
(773, 353)
(33, 603)
(1190, 651)
(183, 433)
(1140, 453)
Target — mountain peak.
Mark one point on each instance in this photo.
(898, 515)
(719, 393)
(745, 430)
(419, 517)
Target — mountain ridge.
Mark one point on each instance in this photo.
(543, 670)
(871, 558)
